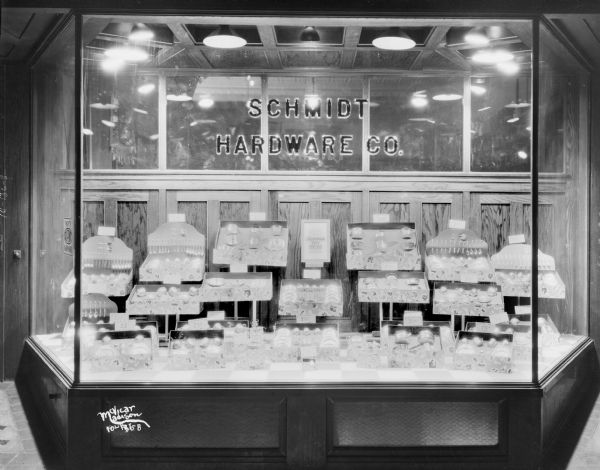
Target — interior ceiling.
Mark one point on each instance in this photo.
(277, 47)
(180, 44)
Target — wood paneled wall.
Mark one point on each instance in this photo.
(494, 208)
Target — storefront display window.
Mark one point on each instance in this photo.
(294, 209)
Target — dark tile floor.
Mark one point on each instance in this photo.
(38, 453)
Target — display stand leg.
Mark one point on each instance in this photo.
(462, 323)
(452, 322)
(166, 326)
(253, 314)
(380, 316)
(391, 315)
(235, 310)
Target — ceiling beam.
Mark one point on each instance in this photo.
(436, 37)
(351, 39)
(269, 41)
(455, 57)
(184, 39)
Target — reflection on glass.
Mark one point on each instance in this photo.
(554, 87)
(500, 124)
(315, 123)
(416, 124)
(209, 123)
(120, 120)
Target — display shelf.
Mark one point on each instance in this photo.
(118, 350)
(172, 268)
(458, 255)
(164, 299)
(106, 268)
(513, 273)
(253, 243)
(306, 298)
(467, 299)
(382, 246)
(409, 287)
(414, 347)
(236, 287)
(491, 352)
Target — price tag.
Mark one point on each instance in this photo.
(389, 265)
(238, 268)
(381, 218)
(469, 276)
(107, 231)
(199, 323)
(413, 318)
(258, 216)
(496, 318)
(523, 310)
(481, 327)
(215, 315)
(457, 224)
(306, 318)
(311, 274)
(308, 352)
(172, 279)
(512, 239)
(176, 218)
(121, 321)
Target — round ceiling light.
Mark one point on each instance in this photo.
(477, 37)
(309, 34)
(492, 56)
(394, 39)
(206, 102)
(419, 100)
(140, 32)
(224, 38)
(447, 97)
(508, 68)
(112, 65)
(126, 54)
(146, 88)
(478, 90)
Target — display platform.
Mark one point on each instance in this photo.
(315, 424)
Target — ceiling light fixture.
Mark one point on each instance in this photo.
(112, 65)
(419, 100)
(140, 32)
(180, 97)
(393, 39)
(522, 154)
(477, 37)
(85, 131)
(485, 108)
(492, 56)
(146, 88)
(224, 38)
(309, 34)
(508, 68)
(447, 97)
(478, 90)
(126, 54)
(206, 102)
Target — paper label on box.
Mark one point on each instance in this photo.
(258, 216)
(523, 310)
(176, 218)
(457, 224)
(389, 265)
(107, 231)
(215, 315)
(413, 318)
(311, 274)
(199, 323)
(171, 279)
(469, 276)
(381, 218)
(238, 268)
(512, 239)
(308, 352)
(496, 318)
(306, 318)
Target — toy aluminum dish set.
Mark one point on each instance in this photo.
(465, 299)
(120, 350)
(458, 255)
(311, 297)
(488, 352)
(106, 267)
(196, 349)
(254, 243)
(176, 253)
(513, 273)
(409, 287)
(413, 346)
(382, 246)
